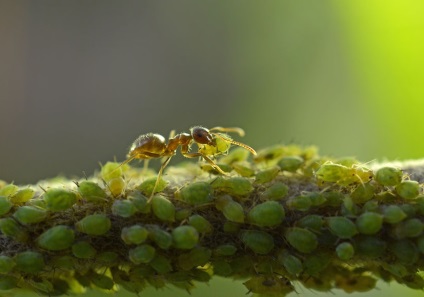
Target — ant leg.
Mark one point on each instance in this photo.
(162, 167)
(207, 159)
(237, 130)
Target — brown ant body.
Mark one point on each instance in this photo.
(152, 146)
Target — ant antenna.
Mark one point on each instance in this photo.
(237, 130)
(245, 146)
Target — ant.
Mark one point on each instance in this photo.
(151, 146)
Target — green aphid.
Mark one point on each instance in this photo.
(267, 214)
(29, 262)
(96, 224)
(393, 214)
(182, 214)
(349, 208)
(363, 193)
(371, 206)
(147, 186)
(116, 186)
(6, 264)
(277, 191)
(236, 155)
(315, 263)
(8, 282)
(161, 264)
(388, 176)
(201, 224)
(237, 186)
(233, 211)
(409, 210)
(222, 268)
(56, 238)
(244, 169)
(200, 275)
(59, 199)
(231, 227)
(134, 234)
(316, 198)
(11, 228)
(112, 170)
(163, 208)
(311, 222)
(5, 205)
(409, 228)
(101, 281)
(225, 250)
(196, 193)
(198, 256)
(290, 163)
(272, 153)
(22, 196)
(185, 237)
(92, 192)
(123, 208)
(345, 250)
(9, 190)
(301, 239)
(108, 258)
(83, 250)
(162, 238)
(258, 241)
(30, 214)
(343, 175)
(369, 223)
(42, 285)
(408, 189)
(342, 227)
(142, 254)
(334, 198)
(301, 203)
(266, 175)
(370, 246)
(405, 251)
(140, 202)
(63, 262)
(291, 263)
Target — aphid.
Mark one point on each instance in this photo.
(96, 224)
(83, 250)
(185, 237)
(369, 223)
(57, 238)
(135, 234)
(198, 256)
(301, 239)
(258, 241)
(345, 250)
(29, 262)
(210, 144)
(342, 227)
(267, 214)
(142, 254)
(343, 175)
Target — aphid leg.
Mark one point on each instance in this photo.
(245, 146)
(162, 167)
(237, 130)
(207, 159)
(146, 165)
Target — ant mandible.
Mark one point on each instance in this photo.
(151, 146)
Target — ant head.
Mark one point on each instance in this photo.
(202, 135)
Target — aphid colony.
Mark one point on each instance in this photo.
(286, 218)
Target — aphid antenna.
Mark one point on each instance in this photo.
(245, 146)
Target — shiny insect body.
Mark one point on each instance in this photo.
(210, 144)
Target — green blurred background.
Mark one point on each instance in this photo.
(79, 80)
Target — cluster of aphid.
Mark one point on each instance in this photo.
(287, 217)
